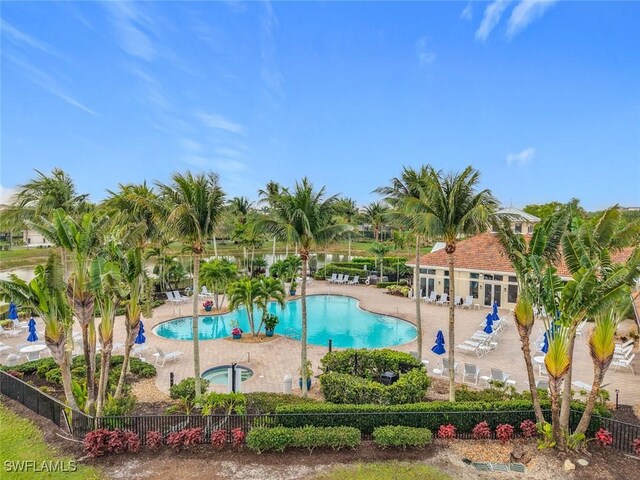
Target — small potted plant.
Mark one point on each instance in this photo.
(309, 370)
(236, 331)
(208, 305)
(270, 322)
(293, 287)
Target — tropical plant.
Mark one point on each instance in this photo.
(46, 296)
(450, 206)
(192, 206)
(252, 292)
(380, 250)
(348, 211)
(217, 275)
(304, 216)
(269, 289)
(375, 213)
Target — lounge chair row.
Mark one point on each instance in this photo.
(343, 279)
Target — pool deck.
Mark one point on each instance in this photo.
(271, 361)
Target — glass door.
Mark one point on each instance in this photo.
(488, 297)
(497, 294)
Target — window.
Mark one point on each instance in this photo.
(498, 277)
(446, 273)
(473, 288)
(427, 271)
(530, 229)
(446, 286)
(517, 228)
(513, 280)
(474, 275)
(512, 294)
(488, 276)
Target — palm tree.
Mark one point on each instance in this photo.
(375, 213)
(106, 283)
(192, 206)
(269, 196)
(46, 296)
(380, 250)
(348, 210)
(82, 239)
(530, 262)
(450, 206)
(245, 292)
(269, 289)
(401, 194)
(304, 216)
(217, 275)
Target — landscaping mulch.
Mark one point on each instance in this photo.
(249, 338)
(628, 414)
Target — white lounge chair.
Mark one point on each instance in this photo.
(170, 297)
(137, 350)
(355, 281)
(459, 301)
(468, 302)
(471, 372)
(580, 328)
(431, 298)
(472, 347)
(205, 293)
(334, 277)
(344, 280)
(162, 357)
(623, 354)
(5, 349)
(620, 347)
(179, 298)
(624, 363)
(443, 370)
(443, 300)
(11, 333)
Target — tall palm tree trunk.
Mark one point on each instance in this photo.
(194, 322)
(105, 363)
(273, 254)
(349, 255)
(132, 332)
(565, 411)
(215, 247)
(416, 297)
(554, 387)
(303, 334)
(598, 376)
(452, 319)
(63, 359)
(526, 353)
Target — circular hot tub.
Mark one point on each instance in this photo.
(220, 375)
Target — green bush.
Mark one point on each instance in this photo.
(399, 290)
(370, 363)
(261, 439)
(54, 376)
(45, 364)
(401, 436)
(426, 415)
(186, 389)
(344, 388)
(142, 369)
(266, 402)
(116, 407)
(330, 269)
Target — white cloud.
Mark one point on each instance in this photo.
(467, 13)
(491, 17)
(19, 38)
(7, 194)
(425, 54)
(218, 122)
(130, 24)
(525, 13)
(521, 158)
(223, 164)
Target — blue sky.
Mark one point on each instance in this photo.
(543, 97)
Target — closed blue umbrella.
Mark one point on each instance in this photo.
(494, 314)
(140, 338)
(13, 311)
(438, 348)
(489, 324)
(545, 344)
(33, 336)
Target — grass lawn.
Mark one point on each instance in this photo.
(20, 440)
(386, 471)
(22, 257)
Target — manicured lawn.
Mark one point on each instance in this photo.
(20, 440)
(22, 257)
(386, 471)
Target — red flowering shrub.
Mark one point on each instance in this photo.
(16, 374)
(529, 429)
(219, 438)
(154, 440)
(237, 437)
(504, 432)
(481, 431)
(447, 431)
(102, 441)
(636, 446)
(185, 438)
(604, 437)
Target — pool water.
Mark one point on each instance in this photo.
(220, 375)
(334, 317)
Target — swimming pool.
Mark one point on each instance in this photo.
(334, 317)
(220, 375)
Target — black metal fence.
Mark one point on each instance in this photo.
(78, 423)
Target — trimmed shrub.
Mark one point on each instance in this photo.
(370, 363)
(427, 414)
(219, 438)
(102, 441)
(447, 431)
(636, 446)
(481, 430)
(154, 440)
(504, 432)
(604, 437)
(261, 439)
(529, 429)
(116, 407)
(237, 437)
(342, 388)
(186, 389)
(401, 436)
(186, 438)
(399, 290)
(266, 402)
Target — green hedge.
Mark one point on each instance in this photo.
(344, 388)
(267, 402)
(401, 282)
(370, 363)
(463, 415)
(330, 269)
(261, 439)
(402, 437)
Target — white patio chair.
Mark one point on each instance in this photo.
(443, 370)
(5, 349)
(624, 363)
(344, 280)
(205, 293)
(623, 354)
(11, 333)
(179, 298)
(334, 277)
(468, 302)
(443, 300)
(170, 297)
(339, 278)
(137, 350)
(355, 281)
(471, 372)
(580, 328)
(431, 298)
(459, 301)
(621, 347)
(472, 347)
(162, 357)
